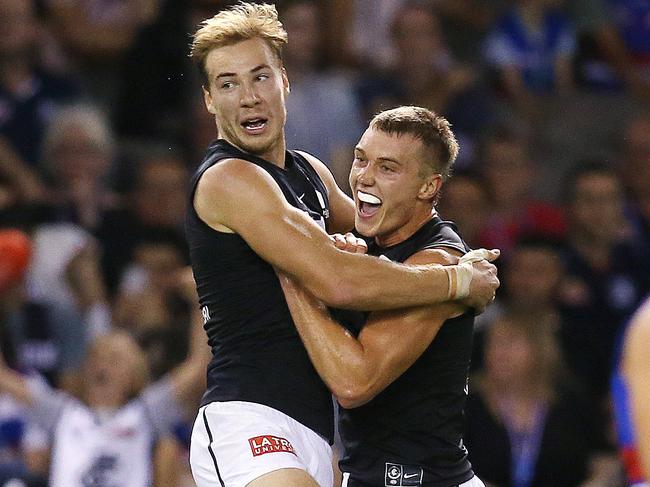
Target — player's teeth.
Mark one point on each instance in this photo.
(368, 198)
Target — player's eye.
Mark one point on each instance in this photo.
(359, 161)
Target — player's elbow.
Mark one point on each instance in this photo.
(351, 401)
(353, 396)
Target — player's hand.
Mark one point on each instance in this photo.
(484, 281)
(349, 243)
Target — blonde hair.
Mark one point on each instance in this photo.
(239, 23)
(433, 130)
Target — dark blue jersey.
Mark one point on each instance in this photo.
(411, 433)
(257, 353)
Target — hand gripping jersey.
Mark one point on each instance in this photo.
(411, 433)
(257, 353)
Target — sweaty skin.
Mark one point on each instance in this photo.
(246, 94)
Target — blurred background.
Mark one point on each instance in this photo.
(102, 123)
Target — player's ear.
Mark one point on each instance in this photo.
(285, 81)
(430, 187)
(207, 99)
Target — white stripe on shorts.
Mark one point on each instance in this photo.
(250, 440)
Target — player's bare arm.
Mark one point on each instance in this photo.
(357, 369)
(236, 196)
(636, 368)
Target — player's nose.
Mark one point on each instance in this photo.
(249, 95)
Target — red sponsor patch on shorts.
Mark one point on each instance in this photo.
(261, 445)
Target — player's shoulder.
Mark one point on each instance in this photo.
(637, 341)
(230, 173)
(441, 233)
(319, 166)
(446, 230)
(311, 159)
(436, 255)
(639, 329)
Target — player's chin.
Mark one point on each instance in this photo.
(364, 228)
(257, 143)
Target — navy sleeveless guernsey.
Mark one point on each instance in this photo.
(410, 434)
(257, 355)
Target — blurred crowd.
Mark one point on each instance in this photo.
(102, 123)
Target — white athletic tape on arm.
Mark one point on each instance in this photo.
(460, 276)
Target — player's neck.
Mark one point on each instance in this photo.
(419, 219)
(275, 154)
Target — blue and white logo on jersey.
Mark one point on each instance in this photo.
(398, 475)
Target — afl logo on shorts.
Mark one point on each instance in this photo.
(261, 445)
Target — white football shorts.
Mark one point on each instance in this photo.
(235, 442)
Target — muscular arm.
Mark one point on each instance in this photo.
(636, 368)
(240, 197)
(356, 370)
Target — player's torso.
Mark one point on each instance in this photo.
(257, 353)
(113, 451)
(411, 433)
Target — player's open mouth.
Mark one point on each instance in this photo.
(254, 126)
(100, 377)
(367, 204)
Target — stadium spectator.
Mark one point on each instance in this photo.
(78, 152)
(531, 50)
(526, 425)
(511, 178)
(155, 203)
(607, 269)
(29, 92)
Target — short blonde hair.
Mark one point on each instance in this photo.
(433, 130)
(239, 23)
